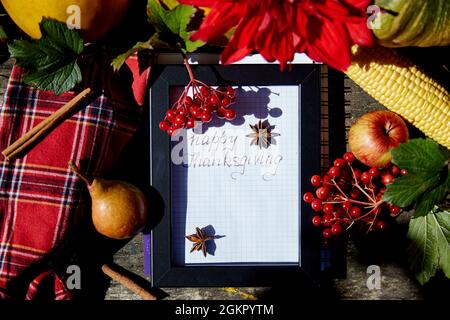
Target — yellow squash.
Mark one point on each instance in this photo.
(96, 17)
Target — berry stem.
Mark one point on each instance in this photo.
(365, 193)
(356, 184)
(338, 188)
(354, 175)
(368, 213)
(188, 67)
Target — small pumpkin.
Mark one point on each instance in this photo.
(419, 23)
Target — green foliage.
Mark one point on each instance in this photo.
(51, 61)
(427, 181)
(429, 247)
(425, 186)
(171, 30)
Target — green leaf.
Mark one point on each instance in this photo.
(420, 156)
(430, 198)
(443, 220)
(172, 25)
(171, 28)
(404, 191)
(156, 15)
(51, 61)
(120, 60)
(429, 247)
(427, 180)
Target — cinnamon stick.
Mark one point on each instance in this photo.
(127, 283)
(32, 137)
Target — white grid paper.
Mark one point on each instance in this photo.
(257, 213)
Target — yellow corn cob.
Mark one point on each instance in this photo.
(403, 88)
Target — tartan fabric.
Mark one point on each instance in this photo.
(39, 196)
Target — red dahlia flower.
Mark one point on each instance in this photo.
(323, 29)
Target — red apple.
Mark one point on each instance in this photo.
(374, 135)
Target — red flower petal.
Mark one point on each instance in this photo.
(218, 22)
(358, 4)
(324, 29)
(360, 34)
(332, 46)
(241, 43)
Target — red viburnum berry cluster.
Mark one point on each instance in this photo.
(198, 102)
(350, 195)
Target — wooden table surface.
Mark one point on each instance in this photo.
(397, 282)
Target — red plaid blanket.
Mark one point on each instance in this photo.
(39, 196)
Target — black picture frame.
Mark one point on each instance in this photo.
(164, 272)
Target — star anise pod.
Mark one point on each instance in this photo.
(199, 239)
(262, 135)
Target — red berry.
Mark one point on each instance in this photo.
(180, 119)
(205, 91)
(183, 111)
(387, 178)
(308, 197)
(328, 220)
(221, 113)
(378, 197)
(328, 208)
(316, 205)
(334, 172)
(316, 221)
(188, 101)
(316, 180)
(395, 210)
(395, 170)
(381, 225)
(403, 172)
(339, 162)
(226, 102)
(355, 212)
(170, 115)
(349, 157)
(214, 100)
(355, 193)
(208, 108)
(347, 205)
(337, 229)
(357, 173)
(196, 112)
(327, 234)
(230, 114)
(326, 179)
(190, 123)
(323, 193)
(365, 178)
(231, 92)
(339, 212)
(374, 172)
(171, 131)
(177, 125)
(377, 210)
(206, 116)
(164, 125)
